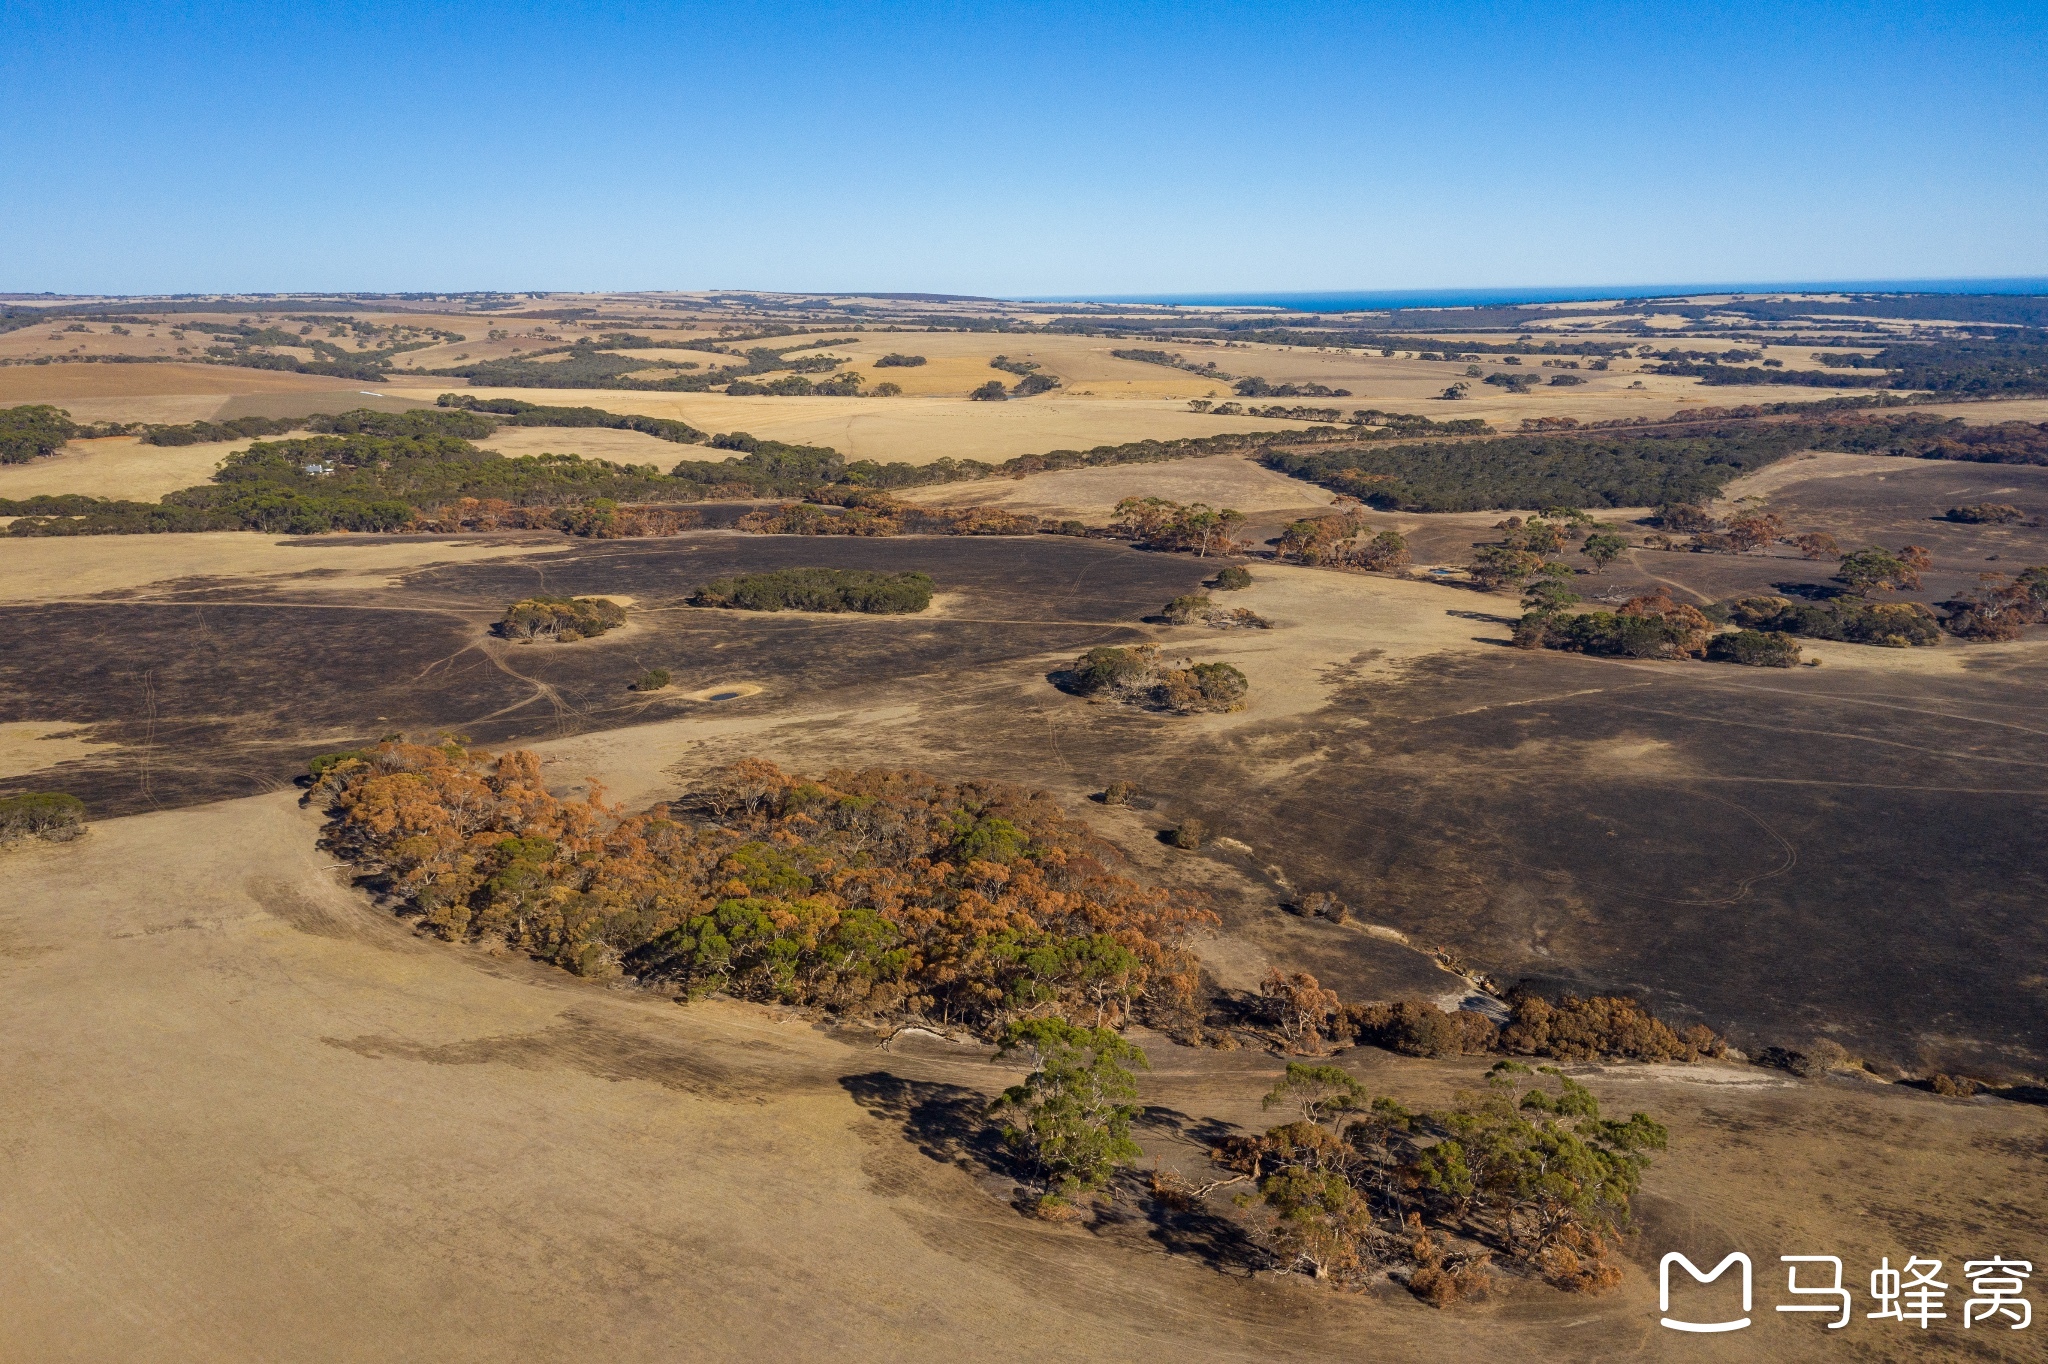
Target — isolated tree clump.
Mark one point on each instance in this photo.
(1603, 549)
(1986, 514)
(870, 893)
(1342, 541)
(819, 589)
(560, 619)
(1199, 608)
(1875, 569)
(1138, 676)
(1157, 523)
(898, 360)
(1234, 578)
(53, 816)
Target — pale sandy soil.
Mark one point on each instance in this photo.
(32, 745)
(117, 466)
(86, 565)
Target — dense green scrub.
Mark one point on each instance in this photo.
(820, 589)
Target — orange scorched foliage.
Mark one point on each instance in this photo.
(869, 892)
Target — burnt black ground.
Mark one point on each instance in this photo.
(1845, 852)
(217, 690)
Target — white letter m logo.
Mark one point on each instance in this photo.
(1664, 1291)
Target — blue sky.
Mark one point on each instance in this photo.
(1016, 149)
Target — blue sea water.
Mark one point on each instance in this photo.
(1346, 301)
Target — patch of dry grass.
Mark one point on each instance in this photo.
(117, 466)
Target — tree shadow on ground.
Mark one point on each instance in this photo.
(1188, 1226)
(947, 1123)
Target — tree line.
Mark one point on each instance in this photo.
(416, 473)
(864, 893)
(1631, 467)
(513, 412)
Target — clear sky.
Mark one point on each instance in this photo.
(1016, 148)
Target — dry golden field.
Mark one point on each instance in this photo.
(269, 1123)
(907, 430)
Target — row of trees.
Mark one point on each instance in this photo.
(1199, 608)
(513, 412)
(877, 514)
(1748, 530)
(1354, 1185)
(1175, 360)
(1634, 466)
(1255, 387)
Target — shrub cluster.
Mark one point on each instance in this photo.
(1986, 514)
(1307, 1017)
(50, 815)
(819, 589)
(1893, 625)
(1138, 676)
(560, 619)
(1652, 626)
(1198, 608)
(1757, 648)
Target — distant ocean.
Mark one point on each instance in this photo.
(1339, 301)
